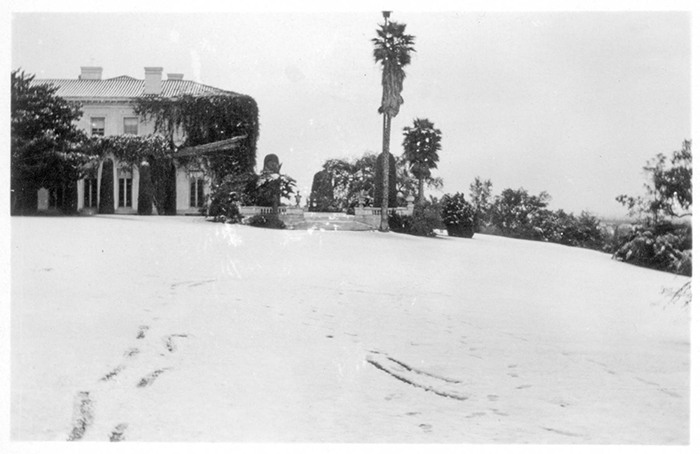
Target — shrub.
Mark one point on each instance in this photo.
(399, 223)
(658, 243)
(431, 211)
(665, 248)
(517, 214)
(423, 222)
(267, 221)
(585, 231)
(416, 224)
(563, 228)
(226, 196)
(457, 215)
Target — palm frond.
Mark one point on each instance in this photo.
(393, 50)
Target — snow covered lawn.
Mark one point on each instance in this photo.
(177, 329)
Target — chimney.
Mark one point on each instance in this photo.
(175, 76)
(90, 73)
(153, 76)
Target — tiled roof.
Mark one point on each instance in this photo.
(126, 87)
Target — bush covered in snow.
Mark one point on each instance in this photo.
(666, 247)
(457, 215)
(246, 189)
(417, 224)
(517, 214)
(268, 221)
(565, 228)
(401, 223)
(225, 198)
(657, 242)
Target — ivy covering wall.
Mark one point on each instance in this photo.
(207, 119)
(201, 120)
(131, 151)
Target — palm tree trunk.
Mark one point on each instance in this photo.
(384, 222)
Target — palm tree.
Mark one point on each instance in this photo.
(421, 144)
(393, 50)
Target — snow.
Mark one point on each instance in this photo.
(177, 329)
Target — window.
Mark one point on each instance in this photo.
(131, 125)
(197, 192)
(90, 190)
(97, 125)
(125, 192)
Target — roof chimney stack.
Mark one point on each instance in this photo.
(90, 73)
(175, 76)
(153, 78)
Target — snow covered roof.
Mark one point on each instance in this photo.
(127, 87)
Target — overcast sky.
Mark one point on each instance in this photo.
(572, 103)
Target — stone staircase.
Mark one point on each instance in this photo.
(296, 218)
(332, 221)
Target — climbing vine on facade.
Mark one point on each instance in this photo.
(131, 152)
(206, 119)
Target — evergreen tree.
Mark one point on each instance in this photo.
(45, 142)
(107, 188)
(421, 144)
(480, 196)
(145, 203)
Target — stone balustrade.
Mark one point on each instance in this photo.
(255, 210)
(372, 211)
(294, 215)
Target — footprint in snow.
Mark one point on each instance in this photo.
(142, 331)
(118, 432)
(498, 412)
(150, 378)
(110, 375)
(170, 343)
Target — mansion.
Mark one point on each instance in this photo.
(107, 106)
